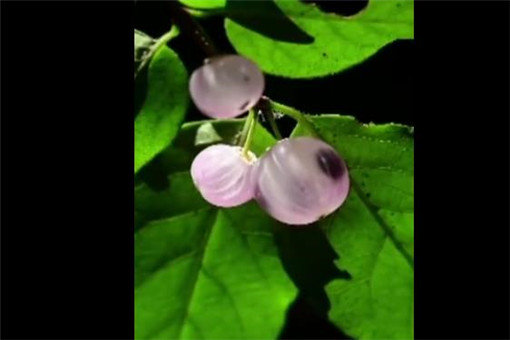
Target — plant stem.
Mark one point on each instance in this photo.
(252, 122)
(197, 13)
(244, 131)
(264, 105)
(298, 116)
(190, 27)
(165, 38)
(162, 41)
(272, 123)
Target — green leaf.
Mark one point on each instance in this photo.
(164, 107)
(206, 134)
(204, 4)
(373, 231)
(338, 42)
(203, 272)
(180, 197)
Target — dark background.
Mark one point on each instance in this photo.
(67, 159)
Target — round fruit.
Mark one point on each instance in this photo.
(301, 180)
(223, 175)
(226, 86)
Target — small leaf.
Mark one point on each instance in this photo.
(164, 107)
(337, 42)
(206, 134)
(143, 43)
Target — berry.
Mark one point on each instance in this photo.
(222, 175)
(301, 180)
(226, 86)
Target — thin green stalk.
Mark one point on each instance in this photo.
(197, 13)
(165, 38)
(249, 135)
(162, 41)
(244, 131)
(298, 116)
(270, 117)
(264, 105)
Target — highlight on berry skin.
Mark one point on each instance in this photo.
(226, 86)
(301, 180)
(222, 175)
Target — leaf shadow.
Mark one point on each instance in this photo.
(273, 23)
(308, 258)
(344, 8)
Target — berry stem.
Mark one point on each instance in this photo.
(162, 41)
(298, 116)
(264, 105)
(251, 122)
(165, 38)
(270, 117)
(244, 131)
(191, 28)
(197, 13)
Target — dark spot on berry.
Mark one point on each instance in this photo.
(246, 78)
(245, 104)
(330, 163)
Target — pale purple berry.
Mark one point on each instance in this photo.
(301, 180)
(223, 175)
(226, 86)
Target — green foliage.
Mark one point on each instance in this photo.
(207, 273)
(373, 231)
(204, 4)
(203, 272)
(337, 42)
(164, 106)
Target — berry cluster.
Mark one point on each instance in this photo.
(298, 181)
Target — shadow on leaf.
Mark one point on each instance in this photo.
(344, 8)
(266, 18)
(308, 258)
